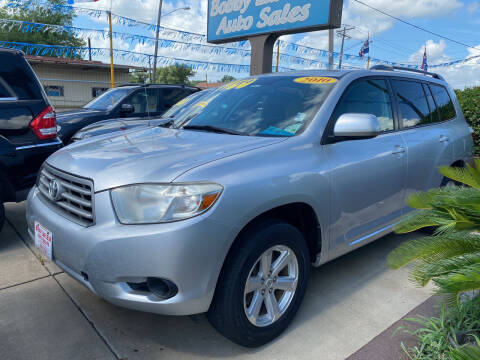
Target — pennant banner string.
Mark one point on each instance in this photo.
(181, 40)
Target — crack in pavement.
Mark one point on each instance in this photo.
(53, 275)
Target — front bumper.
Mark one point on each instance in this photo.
(189, 253)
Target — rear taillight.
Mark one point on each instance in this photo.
(45, 124)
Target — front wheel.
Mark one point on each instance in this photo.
(262, 284)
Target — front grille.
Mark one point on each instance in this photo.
(70, 196)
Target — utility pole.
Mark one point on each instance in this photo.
(330, 49)
(112, 72)
(89, 49)
(159, 19)
(343, 34)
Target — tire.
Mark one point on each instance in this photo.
(228, 312)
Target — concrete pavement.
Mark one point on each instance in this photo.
(44, 314)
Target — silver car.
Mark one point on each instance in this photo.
(267, 176)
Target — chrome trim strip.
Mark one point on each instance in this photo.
(9, 99)
(38, 145)
(372, 234)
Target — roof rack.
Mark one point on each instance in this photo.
(392, 68)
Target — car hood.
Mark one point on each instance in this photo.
(67, 116)
(149, 155)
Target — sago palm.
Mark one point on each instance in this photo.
(451, 257)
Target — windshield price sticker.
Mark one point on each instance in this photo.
(239, 84)
(316, 80)
(202, 104)
(182, 102)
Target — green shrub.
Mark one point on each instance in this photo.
(456, 330)
(470, 102)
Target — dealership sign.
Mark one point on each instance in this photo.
(232, 20)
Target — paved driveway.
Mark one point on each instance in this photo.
(44, 314)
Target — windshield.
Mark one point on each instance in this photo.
(265, 106)
(108, 100)
(182, 104)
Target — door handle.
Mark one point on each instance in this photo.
(443, 139)
(399, 150)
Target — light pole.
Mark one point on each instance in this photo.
(157, 34)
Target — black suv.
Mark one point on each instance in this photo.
(139, 101)
(28, 132)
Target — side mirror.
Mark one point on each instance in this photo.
(357, 126)
(127, 109)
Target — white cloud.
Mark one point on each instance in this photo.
(473, 7)
(435, 53)
(407, 8)
(459, 76)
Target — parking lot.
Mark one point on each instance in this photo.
(44, 314)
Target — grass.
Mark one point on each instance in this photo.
(438, 336)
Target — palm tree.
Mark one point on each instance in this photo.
(451, 257)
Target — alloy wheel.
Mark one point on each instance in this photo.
(271, 285)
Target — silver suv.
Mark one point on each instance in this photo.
(225, 211)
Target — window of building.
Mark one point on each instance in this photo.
(97, 91)
(53, 90)
(444, 102)
(414, 108)
(368, 97)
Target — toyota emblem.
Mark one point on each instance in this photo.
(54, 189)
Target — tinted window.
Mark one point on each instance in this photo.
(177, 108)
(444, 102)
(16, 79)
(144, 101)
(172, 96)
(152, 100)
(431, 104)
(368, 97)
(109, 99)
(414, 110)
(265, 106)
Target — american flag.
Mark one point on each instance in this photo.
(424, 62)
(365, 48)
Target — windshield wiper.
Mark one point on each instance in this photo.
(168, 124)
(214, 129)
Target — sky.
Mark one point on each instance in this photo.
(391, 40)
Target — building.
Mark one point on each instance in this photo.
(205, 85)
(71, 83)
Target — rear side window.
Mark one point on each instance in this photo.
(170, 97)
(368, 97)
(17, 79)
(412, 100)
(444, 102)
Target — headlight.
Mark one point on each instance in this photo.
(58, 128)
(151, 204)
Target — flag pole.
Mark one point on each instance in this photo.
(112, 72)
(368, 41)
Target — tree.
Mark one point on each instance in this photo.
(41, 14)
(227, 79)
(174, 74)
(139, 77)
(451, 257)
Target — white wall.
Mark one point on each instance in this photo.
(77, 81)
